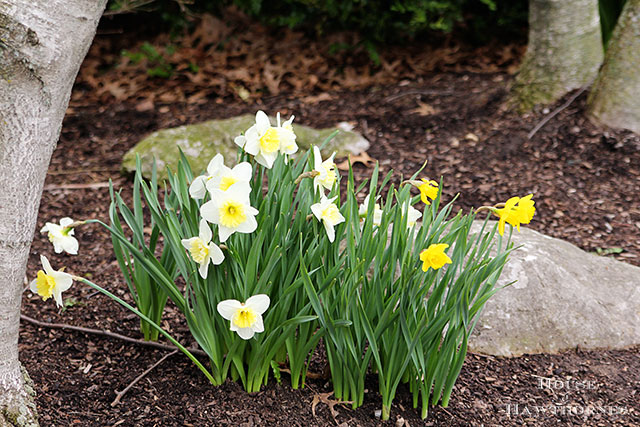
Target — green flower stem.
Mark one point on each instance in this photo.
(151, 322)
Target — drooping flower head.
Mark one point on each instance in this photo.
(428, 190)
(61, 236)
(261, 140)
(328, 213)
(231, 210)
(197, 189)
(516, 211)
(246, 318)
(50, 283)
(434, 256)
(203, 250)
(377, 212)
(327, 171)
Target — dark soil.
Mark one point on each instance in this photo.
(585, 180)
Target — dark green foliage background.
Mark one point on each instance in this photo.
(376, 21)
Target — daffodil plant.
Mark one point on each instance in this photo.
(267, 257)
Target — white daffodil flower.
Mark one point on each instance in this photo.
(231, 210)
(246, 318)
(226, 177)
(61, 236)
(261, 140)
(377, 212)
(327, 212)
(411, 213)
(203, 250)
(327, 171)
(198, 189)
(287, 136)
(50, 283)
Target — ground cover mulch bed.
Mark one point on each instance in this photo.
(585, 180)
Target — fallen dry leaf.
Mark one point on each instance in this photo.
(363, 158)
(424, 109)
(324, 398)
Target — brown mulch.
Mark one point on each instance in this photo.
(585, 181)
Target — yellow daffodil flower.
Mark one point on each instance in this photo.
(328, 213)
(434, 256)
(516, 211)
(61, 236)
(428, 190)
(203, 250)
(231, 210)
(326, 171)
(50, 283)
(246, 318)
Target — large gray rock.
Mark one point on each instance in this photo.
(200, 142)
(563, 298)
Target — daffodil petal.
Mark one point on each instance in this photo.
(203, 270)
(70, 245)
(224, 233)
(258, 326)
(246, 333)
(228, 308)
(262, 122)
(45, 265)
(216, 254)
(33, 287)
(197, 189)
(243, 171)
(215, 164)
(259, 303)
(66, 221)
(210, 212)
(63, 280)
(331, 233)
(205, 231)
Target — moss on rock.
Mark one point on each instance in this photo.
(200, 142)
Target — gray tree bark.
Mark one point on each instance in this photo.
(615, 97)
(42, 44)
(564, 51)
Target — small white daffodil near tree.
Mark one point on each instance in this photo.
(42, 44)
(275, 255)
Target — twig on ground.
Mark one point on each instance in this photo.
(106, 334)
(555, 112)
(79, 171)
(417, 92)
(120, 394)
(91, 186)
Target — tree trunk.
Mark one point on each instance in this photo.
(42, 44)
(564, 51)
(615, 98)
